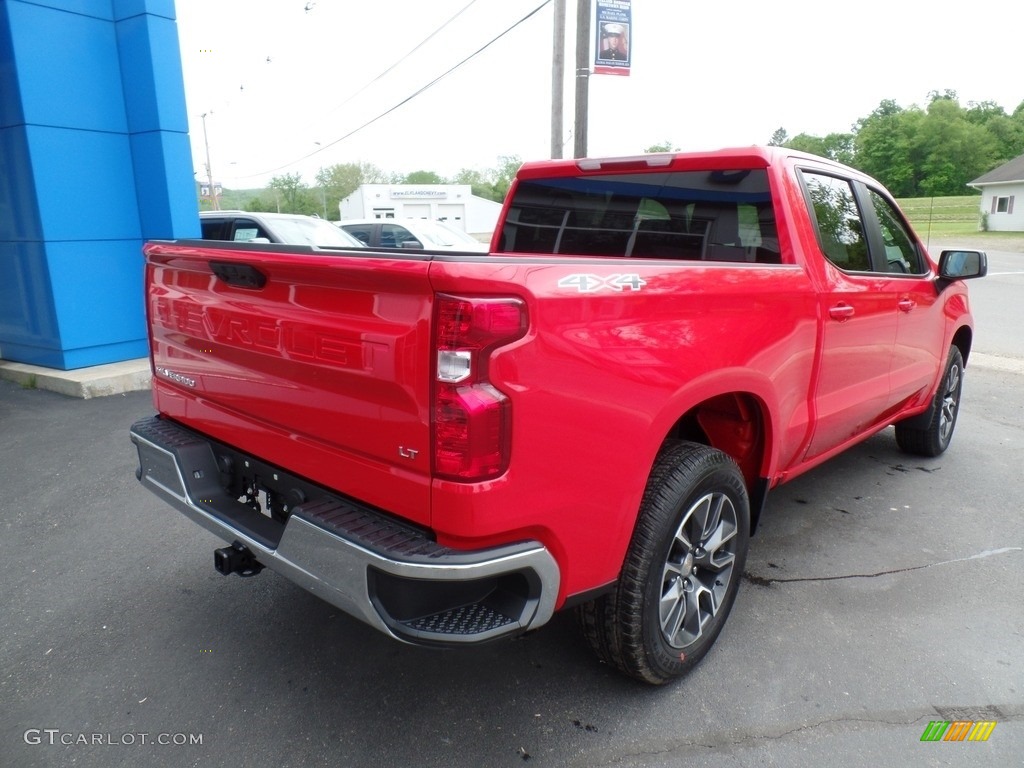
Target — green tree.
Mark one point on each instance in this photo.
(1007, 130)
(780, 138)
(916, 152)
(884, 147)
(508, 166)
(804, 142)
(423, 177)
(1017, 121)
(982, 112)
(840, 147)
(479, 182)
(261, 203)
(932, 152)
(946, 95)
(951, 150)
(493, 183)
(336, 182)
(665, 146)
(835, 146)
(292, 195)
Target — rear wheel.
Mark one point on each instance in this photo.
(933, 437)
(682, 568)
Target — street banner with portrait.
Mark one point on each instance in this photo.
(614, 39)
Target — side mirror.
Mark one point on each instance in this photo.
(962, 265)
(259, 240)
(415, 244)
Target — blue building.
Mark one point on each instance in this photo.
(94, 160)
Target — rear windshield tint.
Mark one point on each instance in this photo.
(684, 215)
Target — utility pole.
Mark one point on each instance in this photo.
(558, 81)
(209, 171)
(582, 75)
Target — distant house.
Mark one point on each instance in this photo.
(999, 188)
(452, 203)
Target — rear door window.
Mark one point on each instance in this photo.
(841, 230)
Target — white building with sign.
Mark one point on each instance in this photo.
(452, 203)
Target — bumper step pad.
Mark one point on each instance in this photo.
(467, 620)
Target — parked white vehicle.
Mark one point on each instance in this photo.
(285, 228)
(411, 233)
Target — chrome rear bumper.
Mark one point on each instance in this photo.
(390, 575)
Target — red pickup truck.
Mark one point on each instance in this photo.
(452, 447)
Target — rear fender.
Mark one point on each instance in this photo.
(738, 423)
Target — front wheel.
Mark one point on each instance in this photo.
(682, 569)
(933, 437)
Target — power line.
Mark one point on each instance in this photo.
(309, 6)
(413, 50)
(407, 99)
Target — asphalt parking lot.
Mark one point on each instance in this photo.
(882, 593)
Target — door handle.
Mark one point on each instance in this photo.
(906, 304)
(238, 275)
(841, 312)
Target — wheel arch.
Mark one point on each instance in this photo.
(962, 340)
(738, 423)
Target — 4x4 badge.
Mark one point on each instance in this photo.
(587, 283)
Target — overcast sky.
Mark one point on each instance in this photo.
(282, 85)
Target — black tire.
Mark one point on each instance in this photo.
(675, 592)
(930, 435)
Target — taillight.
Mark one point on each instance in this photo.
(472, 418)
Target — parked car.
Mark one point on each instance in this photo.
(286, 228)
(411, 233)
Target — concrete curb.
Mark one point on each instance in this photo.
(995, 362)
(84, 383)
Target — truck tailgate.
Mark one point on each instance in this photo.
(315, 360)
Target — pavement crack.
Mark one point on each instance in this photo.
(768, 581)
(732, 740)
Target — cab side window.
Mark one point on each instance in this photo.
(394, 236)
(901, 253)
(841, 231)
(214, 229)
(360, 231)
(247, 230)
